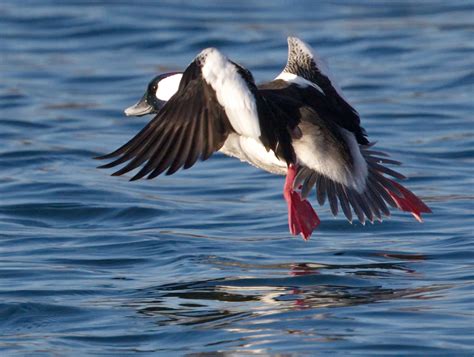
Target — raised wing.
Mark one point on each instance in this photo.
(213, 100)
(304, 65)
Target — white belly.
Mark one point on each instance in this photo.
(252, 151)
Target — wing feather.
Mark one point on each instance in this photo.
(370, 203)
(304, 64)
(194, 123)
(344, 201)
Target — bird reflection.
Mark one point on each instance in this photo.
(304, 286)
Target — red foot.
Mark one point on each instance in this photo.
(302, 219)
(409, 202)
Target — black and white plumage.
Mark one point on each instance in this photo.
(299, 124)
(216, 98)
(159, 91)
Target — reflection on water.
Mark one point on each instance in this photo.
(308, 286)
(305, 306)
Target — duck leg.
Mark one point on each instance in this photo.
(301, 216)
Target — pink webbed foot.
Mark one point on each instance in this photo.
(302, 219)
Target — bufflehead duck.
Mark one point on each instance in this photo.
(299, 124)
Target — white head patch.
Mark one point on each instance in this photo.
(168, 86)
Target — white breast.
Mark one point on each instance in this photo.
(253, 152)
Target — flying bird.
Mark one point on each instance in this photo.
(299, 125)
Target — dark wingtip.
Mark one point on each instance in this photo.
(102, 157)
(106, 156)
(135, 178)
(107, 166)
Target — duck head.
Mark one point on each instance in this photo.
(159, 91)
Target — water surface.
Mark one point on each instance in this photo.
(202, 261)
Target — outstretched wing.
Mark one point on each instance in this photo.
(213, 100)
(348, 174)
(304, 66)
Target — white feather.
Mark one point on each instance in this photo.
(232, 92)
(300, 81)
(253, 152)
(168, 86)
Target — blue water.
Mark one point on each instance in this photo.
(202, 261)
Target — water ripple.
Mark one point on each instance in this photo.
(201, 263)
